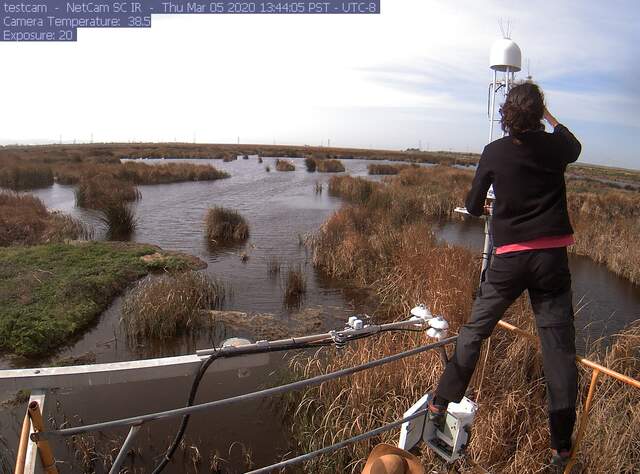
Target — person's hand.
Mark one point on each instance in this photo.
(549, 118)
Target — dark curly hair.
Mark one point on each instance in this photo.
(523, 109)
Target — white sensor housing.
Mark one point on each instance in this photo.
(505, 55)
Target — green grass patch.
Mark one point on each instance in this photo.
(48, 293)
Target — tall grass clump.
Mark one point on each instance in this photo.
(310, 163)
(20, 176)
(296, 287)
(24, 220)
(140, 173)
(69, 174)
(273, 265)
(382, 169)
(119, 219)
(284, 165)
(329, 166)
(225, 226)
(356, 190)
(111, 197)
(170, 305)
(103, 191)
(25, 174)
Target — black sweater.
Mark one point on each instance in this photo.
(528, 182)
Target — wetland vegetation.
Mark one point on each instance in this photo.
(284, 165)
(295, 288)
(310, 163)
(166, 306)
(225, 226)
(24, 220)
(52, 292)
(382, 240)
(380, 169)
(326, 165)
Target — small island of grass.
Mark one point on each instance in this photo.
(51, 292)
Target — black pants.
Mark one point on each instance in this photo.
(545, 274)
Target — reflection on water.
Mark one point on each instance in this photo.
(605, 303)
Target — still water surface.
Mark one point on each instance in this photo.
(282, 208)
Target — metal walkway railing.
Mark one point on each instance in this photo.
(140, 420)
(41, 436)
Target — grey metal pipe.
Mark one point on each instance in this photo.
(239, 398)
(337, 446)
(265, 346)
(122, 455)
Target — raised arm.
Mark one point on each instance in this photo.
(571, 146)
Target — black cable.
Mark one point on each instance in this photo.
(204, 366)
(195, 385)
(185, 419)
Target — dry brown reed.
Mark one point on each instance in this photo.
(139, 173)
(68, 174)
(310, 163)
(102, 191)
(606, 220)
(329, 166)
(111, 197)
(284, 165)
(170, 305)
(18, 175)
(119, 219)
(225, 225)
(296, 287)
(356, 190)
(24, 220)
(607, 223)
(273, 265)
(615, 410)
(33, 167)
(381, 169)
(405, 264)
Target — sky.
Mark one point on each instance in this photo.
(415, 75)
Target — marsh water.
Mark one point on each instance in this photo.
(282, 209)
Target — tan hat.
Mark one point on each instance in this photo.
(387, 459)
